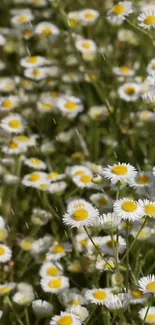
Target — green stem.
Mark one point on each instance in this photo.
(17, 316)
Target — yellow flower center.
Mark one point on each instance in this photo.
(74, 302)
(56, 283)
(71, 105)
(150, 318)
(23, 19)
(86, 179)
(2, 234)
(80, 215)
(112, 243)
(100, 295)
(125, 69)
(119, 9)
(151, 287)
(23, 138)
(27, 32)
(65, 320)
(2, 250)
(83, 242)
(58, 249)
(47, 107)
(34, 177)
(35, 161)
(120, 170)
(137, 294)
(53, 271)
(27, 245)
(32, 59)
(143, 179)
(129, 206)
(7, 104)
(36, 73)
(47, 31)
(13, 145)
(150, 20)
(72, 22)
(86, 45)
(75, 268)
(102, 201)
(4, 290)
(53, 175)
(15, 124)
(150, 209)
(145, 115)
(89, 15)
(130, 91)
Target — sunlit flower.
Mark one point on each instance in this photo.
(5, 253)
(148, 314)
(42, 308)
(148, 207)
(147, 19)
(88, 16)
(35, 163)
(118, 301)
(46, 29)
(128, 209)
(13, 123)
(119, 172)
(86, 46)
(8, 103)
(119, 12)
(129, 92)
(81, 216)
(66, 318)
(147, 284)
(33, 61)
(51, 269)
(54, 284)
(98, 296)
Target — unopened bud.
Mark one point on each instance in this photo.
(97, 179)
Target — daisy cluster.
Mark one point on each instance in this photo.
(77, 168)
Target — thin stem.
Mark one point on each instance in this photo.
(27, 317)
(133, 242)
(17, 316)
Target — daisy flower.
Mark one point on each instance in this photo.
(98, 112)
(34, 179)
(123, 71)
(8, 103)
(109, 245)
(86, 46)
(46, 29)
(98, 296)
(54, 284)
(70, 299)
(88, 16)
(79, 311)
(147, 19)
(119, 12)
(137, 297)
(109, 221)
(128, 209)
(65, 318)
(151, 67)
(26, 244)
(51, 269)
(70, 105)
(57, 187)
(28, 141)
(82, 216)
(55, 176)
(119, 172)
(118, 301)
(78, 170)
(101, 200)
(150, 318)
(57, 251)
(5, 253)
(148, 207)
(35, 73)
(14, 148)
(147, 284)
(23, 19)
(35, 163)
(13, 123)
(6, 288)
(73, 18)
(23, 298)
(40, 217)
(42, 308)
(33, 61)
(84, 181)
(129, 92)
(108, 264)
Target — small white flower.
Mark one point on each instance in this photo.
(81, 216)
(5, 253)
(70, 105)
(42, 308)
(150, 318)
(109, 245)
(148, 207)
(79, 311)
(51, 269)
(109, 221)
(129, 92)
(147, 284)
(67, 318)
(118, 301)
(86, 46)
(35, 163)
(119, 172)
(128, 209)
(46, 29)
(119, 12)
(98, 296)
(88, 16)
(33, 61)
(54, 284)
(147, 19)
(13, 123)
